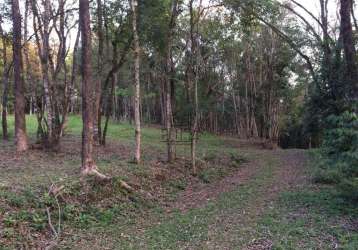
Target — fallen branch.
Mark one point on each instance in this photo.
(50, 222)
(55, 191)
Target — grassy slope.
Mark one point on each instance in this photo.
(306, 217)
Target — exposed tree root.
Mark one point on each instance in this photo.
(125, 186)
(102, 177)
(93, 171)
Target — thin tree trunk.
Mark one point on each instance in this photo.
(169, 121)
(237, 125)
(20, 122)
(97, 106)
(137, 157)
(5, 81)
(194, 68)
(195, 125)
(45, 71)
(109, 109)
(69, 90)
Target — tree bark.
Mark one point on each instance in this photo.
(169, 121)
(349, 49)
(20, 122)
(194, 76)
(137, 157)
(88, 164)
(97, 106)
(5, 81)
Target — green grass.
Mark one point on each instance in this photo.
(199, 226)
(310, 216)
(123, 131)
(311, 219)
(94, 209)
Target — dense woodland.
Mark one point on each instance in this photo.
(274, 73)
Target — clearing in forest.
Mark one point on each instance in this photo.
(244, 197)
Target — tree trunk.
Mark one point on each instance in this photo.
(97, 106)
(349, 49)
(109, 109)
(194, 75)
(169, 121)
(137, 157)
(45, 70)
(195, 125)
(5, 81)
(88, 164)
(237, 122)
(20, 122)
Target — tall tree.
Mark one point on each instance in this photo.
(137, 157)
(193, 78)
(348, 44)
(100, 61)
(41, 23)
(20, 122)
(5, 81)
(88, 164)
(169, 76)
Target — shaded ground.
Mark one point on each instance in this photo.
(244, 197)
(198, 194)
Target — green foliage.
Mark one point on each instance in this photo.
(179, 184)
(339, 154)
(349, 188)
(327, 176)
(124, 92)
(211, 174)
(237, 160)
(341, 142)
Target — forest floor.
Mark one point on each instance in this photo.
(244, 197)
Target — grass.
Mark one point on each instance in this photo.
(311, 219)
(124, 132)
(97, 215)
(91, 207)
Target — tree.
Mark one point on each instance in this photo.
(49, 24)
(349, 48)
(100, 61)
(5, 81)
(20, 122)
(137, 157)
(168, 87)
(88, 164)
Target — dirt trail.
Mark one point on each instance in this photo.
(198, 195)
(287, 174)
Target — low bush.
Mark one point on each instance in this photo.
(338, 163)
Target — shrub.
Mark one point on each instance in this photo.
(349, 188)
(327, 176)
(339, 154)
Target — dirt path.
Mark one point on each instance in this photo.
(288, 173)
(265, 176)
(239, 227)
(198, 195)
